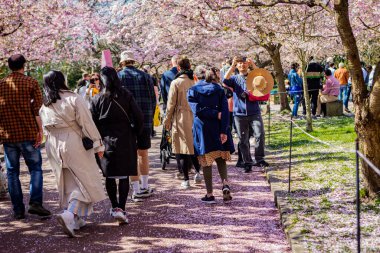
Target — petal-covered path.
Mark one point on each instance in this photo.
(172, 220)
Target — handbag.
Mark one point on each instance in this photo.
(86, 141)
(126, 114)
(156, 118)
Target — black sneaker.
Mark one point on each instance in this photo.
(138, 197)
(146, 192)
(239, 164)
(247, 169)
(208, 200)
(261, 164)
(19, 216)
(226, 193)
(38, 209)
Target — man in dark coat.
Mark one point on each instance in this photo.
(314, 73)
(166, 79)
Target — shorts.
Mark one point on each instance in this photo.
(143, 140)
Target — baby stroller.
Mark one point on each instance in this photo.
(165, 148)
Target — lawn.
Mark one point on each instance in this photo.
(322, 198)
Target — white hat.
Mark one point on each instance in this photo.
(127, 56)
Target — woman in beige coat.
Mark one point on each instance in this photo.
(66, 120)
(179, 117)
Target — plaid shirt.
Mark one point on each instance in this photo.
(20, 102)
(142, 88)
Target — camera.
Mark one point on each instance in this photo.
(243, 95)
(241, 59)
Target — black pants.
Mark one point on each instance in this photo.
(184, 164)
(112, 191)
(196, 164)
(314, 100)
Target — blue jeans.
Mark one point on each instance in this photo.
(343, 94)
(33, 160)
(348, 93)
(297, 99)
(243, 124)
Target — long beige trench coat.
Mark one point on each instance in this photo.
(179, 117)
(65, 149)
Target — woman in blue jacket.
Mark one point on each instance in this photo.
(211, 131)
(296, 89)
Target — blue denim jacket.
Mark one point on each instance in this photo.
(294, 78)
(242, 106)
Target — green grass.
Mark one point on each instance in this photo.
(323, 184)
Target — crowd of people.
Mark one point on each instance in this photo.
(107, 122)
(325, 84)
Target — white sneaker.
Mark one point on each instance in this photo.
(197, 178)
(66, 219)
(118, 214)
(79, 223)
(185, 184)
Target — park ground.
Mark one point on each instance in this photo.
(320, 212)
(172, 220)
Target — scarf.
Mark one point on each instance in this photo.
(189, 73)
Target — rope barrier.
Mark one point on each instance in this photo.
(287, 92)
(377, 170)
(316, 139)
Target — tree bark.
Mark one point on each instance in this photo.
(367, 118)
(274, 52)
(309, 120)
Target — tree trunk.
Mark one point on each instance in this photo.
(309, 121)
(274, 52)
(367, 118)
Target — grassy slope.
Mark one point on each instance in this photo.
(323, 185)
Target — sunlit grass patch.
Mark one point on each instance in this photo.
(322, 197)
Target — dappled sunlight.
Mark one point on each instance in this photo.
(173, 219)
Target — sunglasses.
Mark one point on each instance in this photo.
(94, 79)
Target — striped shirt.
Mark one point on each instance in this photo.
(20, 102)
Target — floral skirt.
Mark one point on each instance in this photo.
(206, 160)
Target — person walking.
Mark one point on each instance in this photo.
(119, 120)
(247, 112)
(166, 79)
(140, 84)
(211, 131)
(179, 118)
(72, 139)
(21, 134)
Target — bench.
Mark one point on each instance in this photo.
(334, 108)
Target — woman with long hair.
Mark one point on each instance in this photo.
(211, 130)
(119, 120)
(67, 121)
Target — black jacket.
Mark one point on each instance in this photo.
(119, 138)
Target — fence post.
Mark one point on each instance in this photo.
(358, 232)
(290, 151)
(269, 123)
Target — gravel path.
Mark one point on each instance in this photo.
(173, 220)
